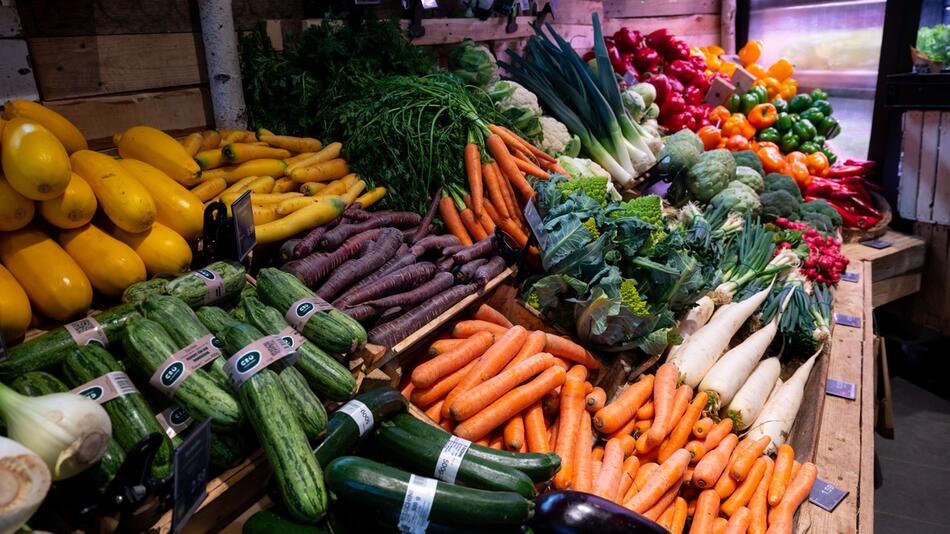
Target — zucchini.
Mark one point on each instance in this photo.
(421, 455)
(132, 418)
(306, 405)
(227, 449)
(331, 330)
(47, 351)
(214, 318)
(183, 328)
(382, 489)
(343, 434)
(298, 474)
(139, 291)
(193, 288)
(325, 375)
(268, 522)
(539, 467)
(36, 383)
(148, 346)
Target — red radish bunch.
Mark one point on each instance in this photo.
(825, 262)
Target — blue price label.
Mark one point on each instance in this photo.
(191, 475)
(850, 277)
(848, 320)
(838, 388)
(536, 224)
(244, 235)
(826, 495)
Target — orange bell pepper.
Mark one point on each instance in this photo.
(789, 89)
(771, 158)
(719, 114)
(713, 50)
(772, 86)
(763, 116)
(713, 62)
(736, 143)
(751, 52)
(756, 70)
(781, 70)
(792, 157)
(800, 174)
(771, 145)
(710, 136)
(817, 163)
(737, 124)
(728, 68)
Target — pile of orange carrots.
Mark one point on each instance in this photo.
(498, 187)
(651, 449)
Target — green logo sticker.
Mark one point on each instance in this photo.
(216, 343)
(206, 273)
(178, 416)
(303, 309)
(289, 341)
(172, 373)
(248, 361)
(94, 393)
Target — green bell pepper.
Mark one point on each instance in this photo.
(761, 92)
(789, 142)
(822, 106)
(813, 115)
(733, 103)
(818, 140)
(780, 105)
(832, 157)
(818, 94)
(804, 129)
(829, 127)
(799, 104)
(784, 122)
(809, 147)
(749, 101)
(770, 134)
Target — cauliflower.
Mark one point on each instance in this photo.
(557, 140)
(779, 203)
(508, 94)
(714, 171)
(473, 63)
(750, 178)
(737, 197)
(631, 297)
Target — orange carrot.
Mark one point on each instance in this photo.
(497, 441)
(664, 388)
(483, 442)
(595, 400)
(710, 468)
(795, 467)
(739, 522)
(435, 411)
(426, 396)
(579, 372)
(449, 426)
(743, 494)
(650, 455)
(666, 518)
(530, 168)
(536, 434)
(513, 402)
(493, 185)
(446, 363)
(688, 477)
(610, 471)
(784, 459)
(595, 466)
(486, 221)
(597, 453)
(726, 485)
(534, 344)
(470, 327)
(508, 192)
(625, 430)
(511, 139)
(474, 400)
(759, 505)
(679, 516)
(565, 348)
(552, 432)
(628, 444)
(440, 346)
(622, 409)
(707, 510)
(514, 433)
(572, 407)
(669, 473)
(583, 480)
(473, 169)
(646, 411)
(472, 225)
(719, 525)
(665, 501)
(487, 313)
(511, 228)
(538, 153)
(630, 467)
(491, 212)
(406, 390)
(782, 516)
(702, 427)
(551, 403)
(743, 464)
(492, 361)
(680, 433)
(453, 222)
(644, 475)
(719, 431)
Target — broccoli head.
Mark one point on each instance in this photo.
(593, 186)
(782, 182)
(747, 158)
(818, 221)
(737, 197)
(749, 177)
(648, 208)
(819, 205)
(711, 175)
(631, 297)
(779, 203)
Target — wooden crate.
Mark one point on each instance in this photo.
(924, 190)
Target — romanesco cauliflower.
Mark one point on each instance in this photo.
(631, 297)
(648, 208)
(591, 225)
(593, 186)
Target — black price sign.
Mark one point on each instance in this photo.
(244, 236)
(826, 495)
(536, 224)
(876, 243)
(191, 475)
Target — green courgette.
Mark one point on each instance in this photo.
(139, 291)
(148, 346)
(331, 330)
(539, 467)
(132, 418)
(305, 404)
(382, 489)
(193, 287)
(326, 376)
(47, 351)
(422, 455)
(268, 522)
(214, 318)
(227, 449)
(343, 434)
(36, 383)
(299, 477)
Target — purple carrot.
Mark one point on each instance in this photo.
(486, 272)
(372, 256)
(286, 252)
(396, 330)
(439, 283)
(313, 268)
(361, 313)
(467, 271)
(433, 242)
(341, 233)
(309, 243)
(407, 277)
(354, 212)
(397, 261)
(445, 264)
(448, 251)
(481, 249)
(389, 314)
(427, 220)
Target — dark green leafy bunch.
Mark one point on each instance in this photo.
(805, 324)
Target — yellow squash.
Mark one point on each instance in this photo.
(16, 211)
(255, 167)
(319, 212)
(209, 189)
(67, 133)
(34, 161)
(74, 208)
(192, 143)
(162, 250)
(56, 285)
(176, 207)
(126, 202)
(15, 311)
(109, 263)
(162, 151)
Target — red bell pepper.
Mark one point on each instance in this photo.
(693, 95)
(660, 82)
(628, 40)
(660, 40)
(681, 70)
(646, 59)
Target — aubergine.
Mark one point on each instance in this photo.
(564, 512)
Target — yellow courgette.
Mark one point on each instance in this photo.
(74, 208)
(34, 160)
(109, 264)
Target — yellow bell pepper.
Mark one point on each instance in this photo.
(781, 70)
(789, 89)
(756, 70)
(728, 68)
(751, 52)
(773, 86)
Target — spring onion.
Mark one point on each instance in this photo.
(24, 481)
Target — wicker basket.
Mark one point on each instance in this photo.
(854, 235)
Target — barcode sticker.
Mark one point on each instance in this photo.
(107, 387)
(447, 467)
(301, 311)
(87, 330)
(360, 414)
(179, 366)
(213, 282)
(173, 420)
(249, 361)
(414, 516)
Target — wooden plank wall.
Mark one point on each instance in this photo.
(16, 75)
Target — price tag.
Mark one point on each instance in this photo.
(191, 475)
(429, 4)
(414, 516)
(630, 78)
(742, 80)
(447, 466)
(244, 236)
(360, 414)
(837, 388)
(249, 361)
(536, 224)
(850, 277)
(173, 420)
(214, 282)
(107, 387)
(87, 330)
(826, 495)
(719, 91)
(525, 6)
(847, 320)
(876, 243)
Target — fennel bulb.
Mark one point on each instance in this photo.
(24, 481)
(68, 431)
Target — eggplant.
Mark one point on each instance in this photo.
(567, 512)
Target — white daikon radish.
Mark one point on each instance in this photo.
(779, 413)
(752, 396)
(24, 481)
(731, 371)
(704, 347)
(695, 318)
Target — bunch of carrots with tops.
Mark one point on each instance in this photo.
(498, 187)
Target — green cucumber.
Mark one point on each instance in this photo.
(331, 330)
(139, 291)
(343, 434)
(47, 351)
(299, 477)
(421, 455)
(183, 328)
(227, 449)
(191, 289)
(382, 489)
(132, 418)
(539, 467)
(214, 318)
(325, 375)
(268, 522)
(36, 383)
(148, 346)
(305, 404)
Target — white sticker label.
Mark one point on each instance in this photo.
(249, 361)
(447, 467)
(179, 366)
(87, 330)
(107, 387)
(173, 420)
(360, 414)
(291, 337)
(414, 516)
